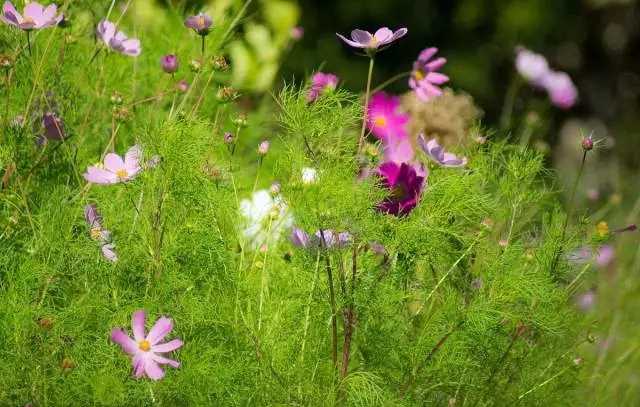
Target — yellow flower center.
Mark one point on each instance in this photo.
(602, 229)
(201, 22)
(144, 345)
(373, 43)
(419, 75)
(96, 232)
(28, 20)
(380, 121)
(122, 173)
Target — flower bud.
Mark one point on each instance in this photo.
(240, 120)
(169, 63)
(6, 61)
(587, 143)
(263, 148)
(183, 86)
(228, 137)
(227, 94)
(116, 98)
(275, 188)
(195, 65)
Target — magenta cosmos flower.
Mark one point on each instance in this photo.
(373, 43)
(405, 181)
(320, 83)
(34, 16)
(200, 23)
(145, 349)
(115, 169)
(436, 152)
(117, 40)
(424, 79)
(562, 92)
(384, 118)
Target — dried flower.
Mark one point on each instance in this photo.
(227, 94)
(220, 63)
(195, 65)
(53, 126)
(6, 61)
(117, 40)
(169, 63)
(144, 349)
(424, 79)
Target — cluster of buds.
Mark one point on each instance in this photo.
(220, 63)
(195, 65)
(116, 98)
(227, 94)
(6, 61)
(121, 113)
(240, 120)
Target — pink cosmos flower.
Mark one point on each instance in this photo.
(115, 169)
(320, 83)
(405, 181)
(531, 66)
(169, 63)
(424, 78)
(562, 92)
(373, 43)
(384, 118)
(117, 40)
(436, 152)
(145, 349)
(34, 16)
(200, 23)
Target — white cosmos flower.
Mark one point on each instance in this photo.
(309, 175)
(265, 218)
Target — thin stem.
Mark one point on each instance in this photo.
(202, 49)
(509, 102)
(332, 303)
(366, 105)
(29, 41)
(390, 81)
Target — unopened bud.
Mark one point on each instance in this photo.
(263, 148)
(587, 143)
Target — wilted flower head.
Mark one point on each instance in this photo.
(265, 217)
(200, 23)
(34, 16)
(309, 175)
(562, 92)
(531, 66)
(373, 43)
(424, 79)
(169, 63)
(117, 40)
(145, 349)
(99, 233)
(116, 169)
(227, 94)
(405, 182)
(320, 83)
(220, 63)
(436, 152)
(5, 61)
(53, 126)
(263, 147)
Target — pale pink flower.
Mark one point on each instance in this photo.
(34, 16)
(115, 169)
(117, 40)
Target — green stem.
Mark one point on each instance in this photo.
(366, 105)
(510, 98)
(390, 81)
(203, 37)
(29, 41)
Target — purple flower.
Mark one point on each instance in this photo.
(117, 40)
(299, 238)
(562, 92)
(320, 83)
(531, 66)
(144, 349)
(34, 16)
(92, 216)
(373, 43)
(405, 182)
(424, 78)
(108, 251)
(115, 169)
(436, 152)
(200, 23)
(169, 63)
(325, 238)
(53, 126)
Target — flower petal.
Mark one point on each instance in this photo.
(34, 11)
(165, 361)
(100, 176)
(361, 36)
(427, 53)
(10, 15)
(436, 64)
(113, 162)
(167, 346)
(437, 78)
(131, 47)
(161, 328)
(348, 41)
(383, 36)
(121, 338)
(132, 159)
(152, 369)
(106, 30)
(137, 325)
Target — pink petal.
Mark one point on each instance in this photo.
(113, 162)
(361, 36)
(131, 47)
(399, 34)
(152, 369)
(121, 338)
(427, 54)
(10, 14)
(49, 12)
(138, 365)
(132, 158)
(437, 78)
(352, 43)
(436, 64)
(383, 35)
(100, 176)
(165, 361)
(167, 347)
(106, 30)
(161, 328)
(137, 325)
(34, 10)
(390, 171)
(109, 253)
